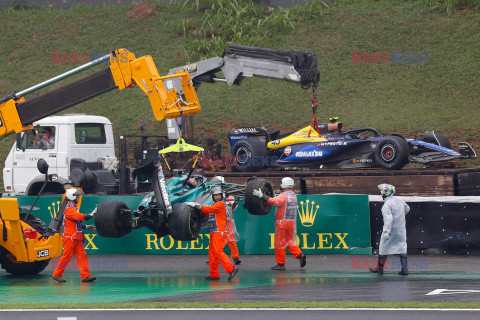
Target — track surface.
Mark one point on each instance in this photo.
(181, 279)
(241, 314)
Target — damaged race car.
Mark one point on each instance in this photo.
(325, 145)
(167, 210)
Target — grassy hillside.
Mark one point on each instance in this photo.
(407, 98)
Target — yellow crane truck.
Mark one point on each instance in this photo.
(26, 244)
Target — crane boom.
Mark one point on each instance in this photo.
(125, 71)
(239, 62)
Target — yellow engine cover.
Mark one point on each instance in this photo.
(298, 137)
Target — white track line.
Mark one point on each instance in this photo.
(247, 309)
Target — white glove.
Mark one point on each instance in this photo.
(385, 235)
(258, 193)
(91, 228)
(91, 214)
(195, 205)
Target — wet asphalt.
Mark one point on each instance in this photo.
(171, 278)
(241, 314)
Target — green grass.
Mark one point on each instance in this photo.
(193, 305)
(408, 99)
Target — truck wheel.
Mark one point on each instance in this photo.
(10, 265)
(436, 138)
(253, 204)
(250, 155)
(8, 261)
(184, 223)
(52, 188)
(34, 222)
(113, 219)
(392, 153)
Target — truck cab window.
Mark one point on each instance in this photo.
(90, 133)
(39, 138)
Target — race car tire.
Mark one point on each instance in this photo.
(392, 153)
(436, 138)
(250, 155)
(8, 261)
(255, 205)
(184, 223)
(112, 219)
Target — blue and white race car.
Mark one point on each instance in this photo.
(255, 148)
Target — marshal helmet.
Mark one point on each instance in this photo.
(287, 183)
(73, 193)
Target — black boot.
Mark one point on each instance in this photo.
(279, 266)
(303, 260)
(233, 273)
(381, 264)
(404, 262)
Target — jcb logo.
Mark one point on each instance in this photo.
(43, 253)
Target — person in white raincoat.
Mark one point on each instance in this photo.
(394, 234)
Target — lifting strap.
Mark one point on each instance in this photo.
(314, 123)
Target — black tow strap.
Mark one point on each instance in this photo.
(5, 235)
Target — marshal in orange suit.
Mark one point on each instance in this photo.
(217, 224)
(73, 238)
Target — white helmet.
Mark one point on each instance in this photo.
(72, 193)
(218, 179)
(287, 183)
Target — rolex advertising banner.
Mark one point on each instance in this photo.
(325, 224)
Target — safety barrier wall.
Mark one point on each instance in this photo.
(325, 224)
(440, 225)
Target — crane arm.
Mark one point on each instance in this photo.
(125, 71)
(239, 62)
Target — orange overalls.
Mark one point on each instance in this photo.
(73, 242)
(231, 229)
(285, 225)
(217, 224)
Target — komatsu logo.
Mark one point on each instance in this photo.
(245, 130)
(309, 154)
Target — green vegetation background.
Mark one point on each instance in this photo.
(406, 98)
